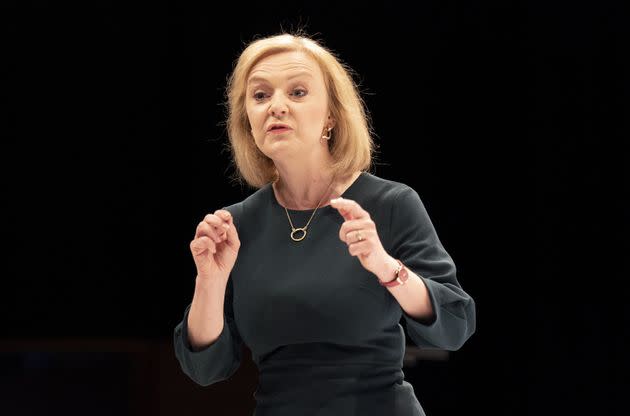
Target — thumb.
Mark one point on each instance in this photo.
(345, 213)
(343, 209)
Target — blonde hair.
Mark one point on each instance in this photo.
(351, 145)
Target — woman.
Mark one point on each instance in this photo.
(314, 270)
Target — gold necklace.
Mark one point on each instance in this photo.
(303, 229)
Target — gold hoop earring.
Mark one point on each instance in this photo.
(329, 134)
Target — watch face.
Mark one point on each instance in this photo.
(403, 274)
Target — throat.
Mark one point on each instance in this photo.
(290, 203)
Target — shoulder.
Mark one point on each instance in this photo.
(252, 202)
(392, 201)
(381, 190)
(381, 198)
(393, 205)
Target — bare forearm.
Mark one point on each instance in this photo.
(205, 318)
(413, 296)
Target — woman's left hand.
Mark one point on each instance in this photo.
(359, 232)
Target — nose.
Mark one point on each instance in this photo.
(277, 106)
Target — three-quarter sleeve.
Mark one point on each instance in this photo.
(415, 242)
(219, 360)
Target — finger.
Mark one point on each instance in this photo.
(231, 235)
(214, 221)
(362, 247)
(349, 209)
(208, 227)
(351, 225)
(353, 236)
(205, 229)
(202, 244)
(225, 215)
(229, 231)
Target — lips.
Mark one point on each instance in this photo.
(278, 127)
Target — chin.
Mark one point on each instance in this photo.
(284, 151)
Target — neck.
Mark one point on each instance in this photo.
(304, 190)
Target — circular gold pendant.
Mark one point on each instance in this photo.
(296, 230)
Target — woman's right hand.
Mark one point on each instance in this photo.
(215, 246)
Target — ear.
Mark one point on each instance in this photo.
(331, 121)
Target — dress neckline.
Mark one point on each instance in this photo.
(346, 194)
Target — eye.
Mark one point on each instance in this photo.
(300, 90)
(259, 96)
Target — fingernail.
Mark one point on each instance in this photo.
(226, 226)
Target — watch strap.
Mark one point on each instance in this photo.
(401, 276)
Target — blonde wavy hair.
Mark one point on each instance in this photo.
(351, 145)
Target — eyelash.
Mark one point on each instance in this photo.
(297, 89)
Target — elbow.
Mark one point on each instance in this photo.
(203, 376)
(466, 328)
(449, 332)
(459, 342)
(205, 381)
(198, 379)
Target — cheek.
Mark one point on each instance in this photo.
(308, 117)
(257, 122)
(254, 116)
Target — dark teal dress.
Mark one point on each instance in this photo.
(324, 334)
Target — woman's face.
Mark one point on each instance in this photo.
(287, 88)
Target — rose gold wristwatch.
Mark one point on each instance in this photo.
(401, 276)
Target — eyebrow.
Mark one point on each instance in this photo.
(296, 75)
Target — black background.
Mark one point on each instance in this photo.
(509, 119)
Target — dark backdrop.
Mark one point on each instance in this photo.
(508, 119)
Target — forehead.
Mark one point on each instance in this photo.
(284, 65)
